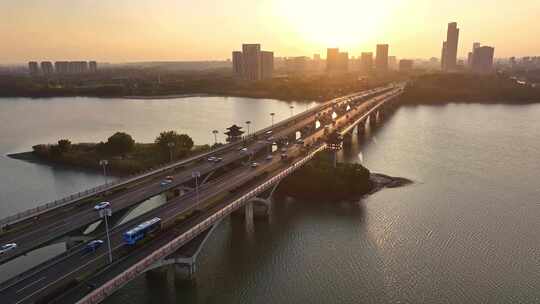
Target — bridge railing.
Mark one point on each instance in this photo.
(42, 208)
(140, 267)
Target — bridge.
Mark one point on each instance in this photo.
(188, 217)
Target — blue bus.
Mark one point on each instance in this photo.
(137, 233)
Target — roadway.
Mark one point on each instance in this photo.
(62, 221)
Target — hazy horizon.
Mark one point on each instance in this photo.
(166, 30)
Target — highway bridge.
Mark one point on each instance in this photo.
(188, 216)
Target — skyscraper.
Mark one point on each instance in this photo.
(251, 54)
(366, 62)
(332, 59)
(238, 63)
(482, 60)
(93, 66)
(381, 60)
(47, 68)
(267, 64)
(450, 46)
(33, 68)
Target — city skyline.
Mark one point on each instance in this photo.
(163, 30)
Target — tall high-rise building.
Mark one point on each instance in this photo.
(238, 63)
(381, 59)
(33, 68)
(267, 64)
(92, 65)
(392, 63)
(450, 46)
(343, 61)
(47, 68)
(332, 59)
(61, 67)
(252, 61)
(366, 62)
(482, 61)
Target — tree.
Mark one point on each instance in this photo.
(64, 145)
(182, 142)
(120, 143)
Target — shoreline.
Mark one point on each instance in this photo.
(173, 96)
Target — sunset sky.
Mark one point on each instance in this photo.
(145, 30)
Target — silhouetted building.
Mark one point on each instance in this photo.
(238, 63)
(450, 46)
(482, 61)
(296, 64)
(61, 67)
(405, 65)
(366, 62)
(252, 61)
(78, 67)
(267, 64)
(343, 61)
(234, 133)
(332, 59)
(92, 65)
(392, 63)
(47, 68)
(381, 60)
(33, 68)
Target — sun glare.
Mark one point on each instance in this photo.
(339, 23)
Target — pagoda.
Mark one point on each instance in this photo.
(234, 133)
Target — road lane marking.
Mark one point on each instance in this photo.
(31, 284)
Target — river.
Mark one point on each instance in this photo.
(465, 232)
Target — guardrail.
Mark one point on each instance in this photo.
(140, 267)
(23, 215)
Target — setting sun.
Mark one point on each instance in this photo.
(343, 23)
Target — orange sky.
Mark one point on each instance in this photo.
(144, 30)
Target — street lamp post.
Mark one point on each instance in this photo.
(171, 146)
(272, 115)
(215, 132)
(248, 123)
(104, 164)
(196, 175)
(292, 110)
(105, 213)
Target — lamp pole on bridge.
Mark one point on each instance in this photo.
(196, 175)
(105, 213)
(171, 147)
(104, 164)
(272, 115)
(248, 123)
(292, 110)
(215, 132)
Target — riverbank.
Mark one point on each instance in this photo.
(436, 89)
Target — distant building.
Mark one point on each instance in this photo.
(33, 68)
(297, 64)
(316, 57)
(47, 68)
(450, 46)
(343, 61)
(406, 65)
(366, 62)
(93, 67)
(267, 64)
(392, 63)
(61, 67)
(238, 63)
(483, 59)
(252, 63)
(78, 67)
(381, 59)
(332, 59)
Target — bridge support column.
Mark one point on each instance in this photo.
(185, 273)
(347, 139)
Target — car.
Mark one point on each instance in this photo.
(211, 159)
(254, 165)
(269, 157)
(92, 246)
(283, 150)
(102, 205)
(300, 142)
(169, 178)
(165, 183)
(7, 248)
(218, 159)
(244, 150)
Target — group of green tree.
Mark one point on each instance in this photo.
(123, 153)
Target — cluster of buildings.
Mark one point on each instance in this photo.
(252, 63)
(480, 59)
(46, 68)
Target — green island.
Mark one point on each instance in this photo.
(123, 154)
(320, 181)
(468, 88)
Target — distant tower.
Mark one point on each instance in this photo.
(267, 64)
(450, 47)
(252, 61)
(381, 59)
(238, 64)
(47, 68)
(33, 68)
